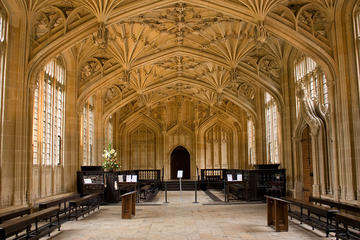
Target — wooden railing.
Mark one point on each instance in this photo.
(143, 175)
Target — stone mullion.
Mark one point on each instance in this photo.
(29, 192)
(40, 130)
(347, 188)
(164, 166)
(98, 127)
(196, 160)
(315, 163)
(321, 157)
(336, 167)
(245, 138)
(238, 145)
(260, 126)
(286, 120)
(81, 140)
(54, 97)
(297, 155)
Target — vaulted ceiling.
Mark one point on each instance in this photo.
(215, 52)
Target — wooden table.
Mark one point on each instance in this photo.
(128, 201)
(277, 213)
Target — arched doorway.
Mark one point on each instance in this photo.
(307, 163)
(180, 160)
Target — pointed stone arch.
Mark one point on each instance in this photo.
(218, 136)
(135, 135)
(308, 117)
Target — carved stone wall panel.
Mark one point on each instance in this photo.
(180, 136)
(218, 144)
(142, 148)
(89, 69)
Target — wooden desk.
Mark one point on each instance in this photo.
(277, 213)
(128, 201)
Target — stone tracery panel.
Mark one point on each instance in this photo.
(142, 148)
(218, 146)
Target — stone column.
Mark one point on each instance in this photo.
(166, 163)
(315, 163)
(29, 180)
(99, 128)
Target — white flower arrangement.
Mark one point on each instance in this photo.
(110, 161)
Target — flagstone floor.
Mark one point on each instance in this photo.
(182, 219)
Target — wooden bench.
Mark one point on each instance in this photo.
(58, 202)
(128, 201)
(144, 192)
(16, 226)
(277, 213)
(79, 207)
(312, 209)
(236, 189)
(127, 187)
(19, 212)
(352, 208)
(347, 220)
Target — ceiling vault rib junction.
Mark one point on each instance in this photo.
(224, 52)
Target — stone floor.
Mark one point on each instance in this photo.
(182, 219)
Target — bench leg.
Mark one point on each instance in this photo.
(28, 228)
(58, 221)
(337, 230)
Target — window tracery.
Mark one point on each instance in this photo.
(310, 73)
(48, 115)
(88, 132)
(251, 142)
(272, 129)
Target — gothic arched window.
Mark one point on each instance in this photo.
(88, 132)
(48, 115)
(272, 129)
(308, 72)
(251, 142)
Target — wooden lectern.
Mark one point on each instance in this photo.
(128, 201)
(277, 213)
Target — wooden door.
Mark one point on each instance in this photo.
(307, 163)
(180, 160)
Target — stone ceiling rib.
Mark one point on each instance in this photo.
(228, 7)
(101, 8)
(118, 105)
(139, 111)
(102, 82)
